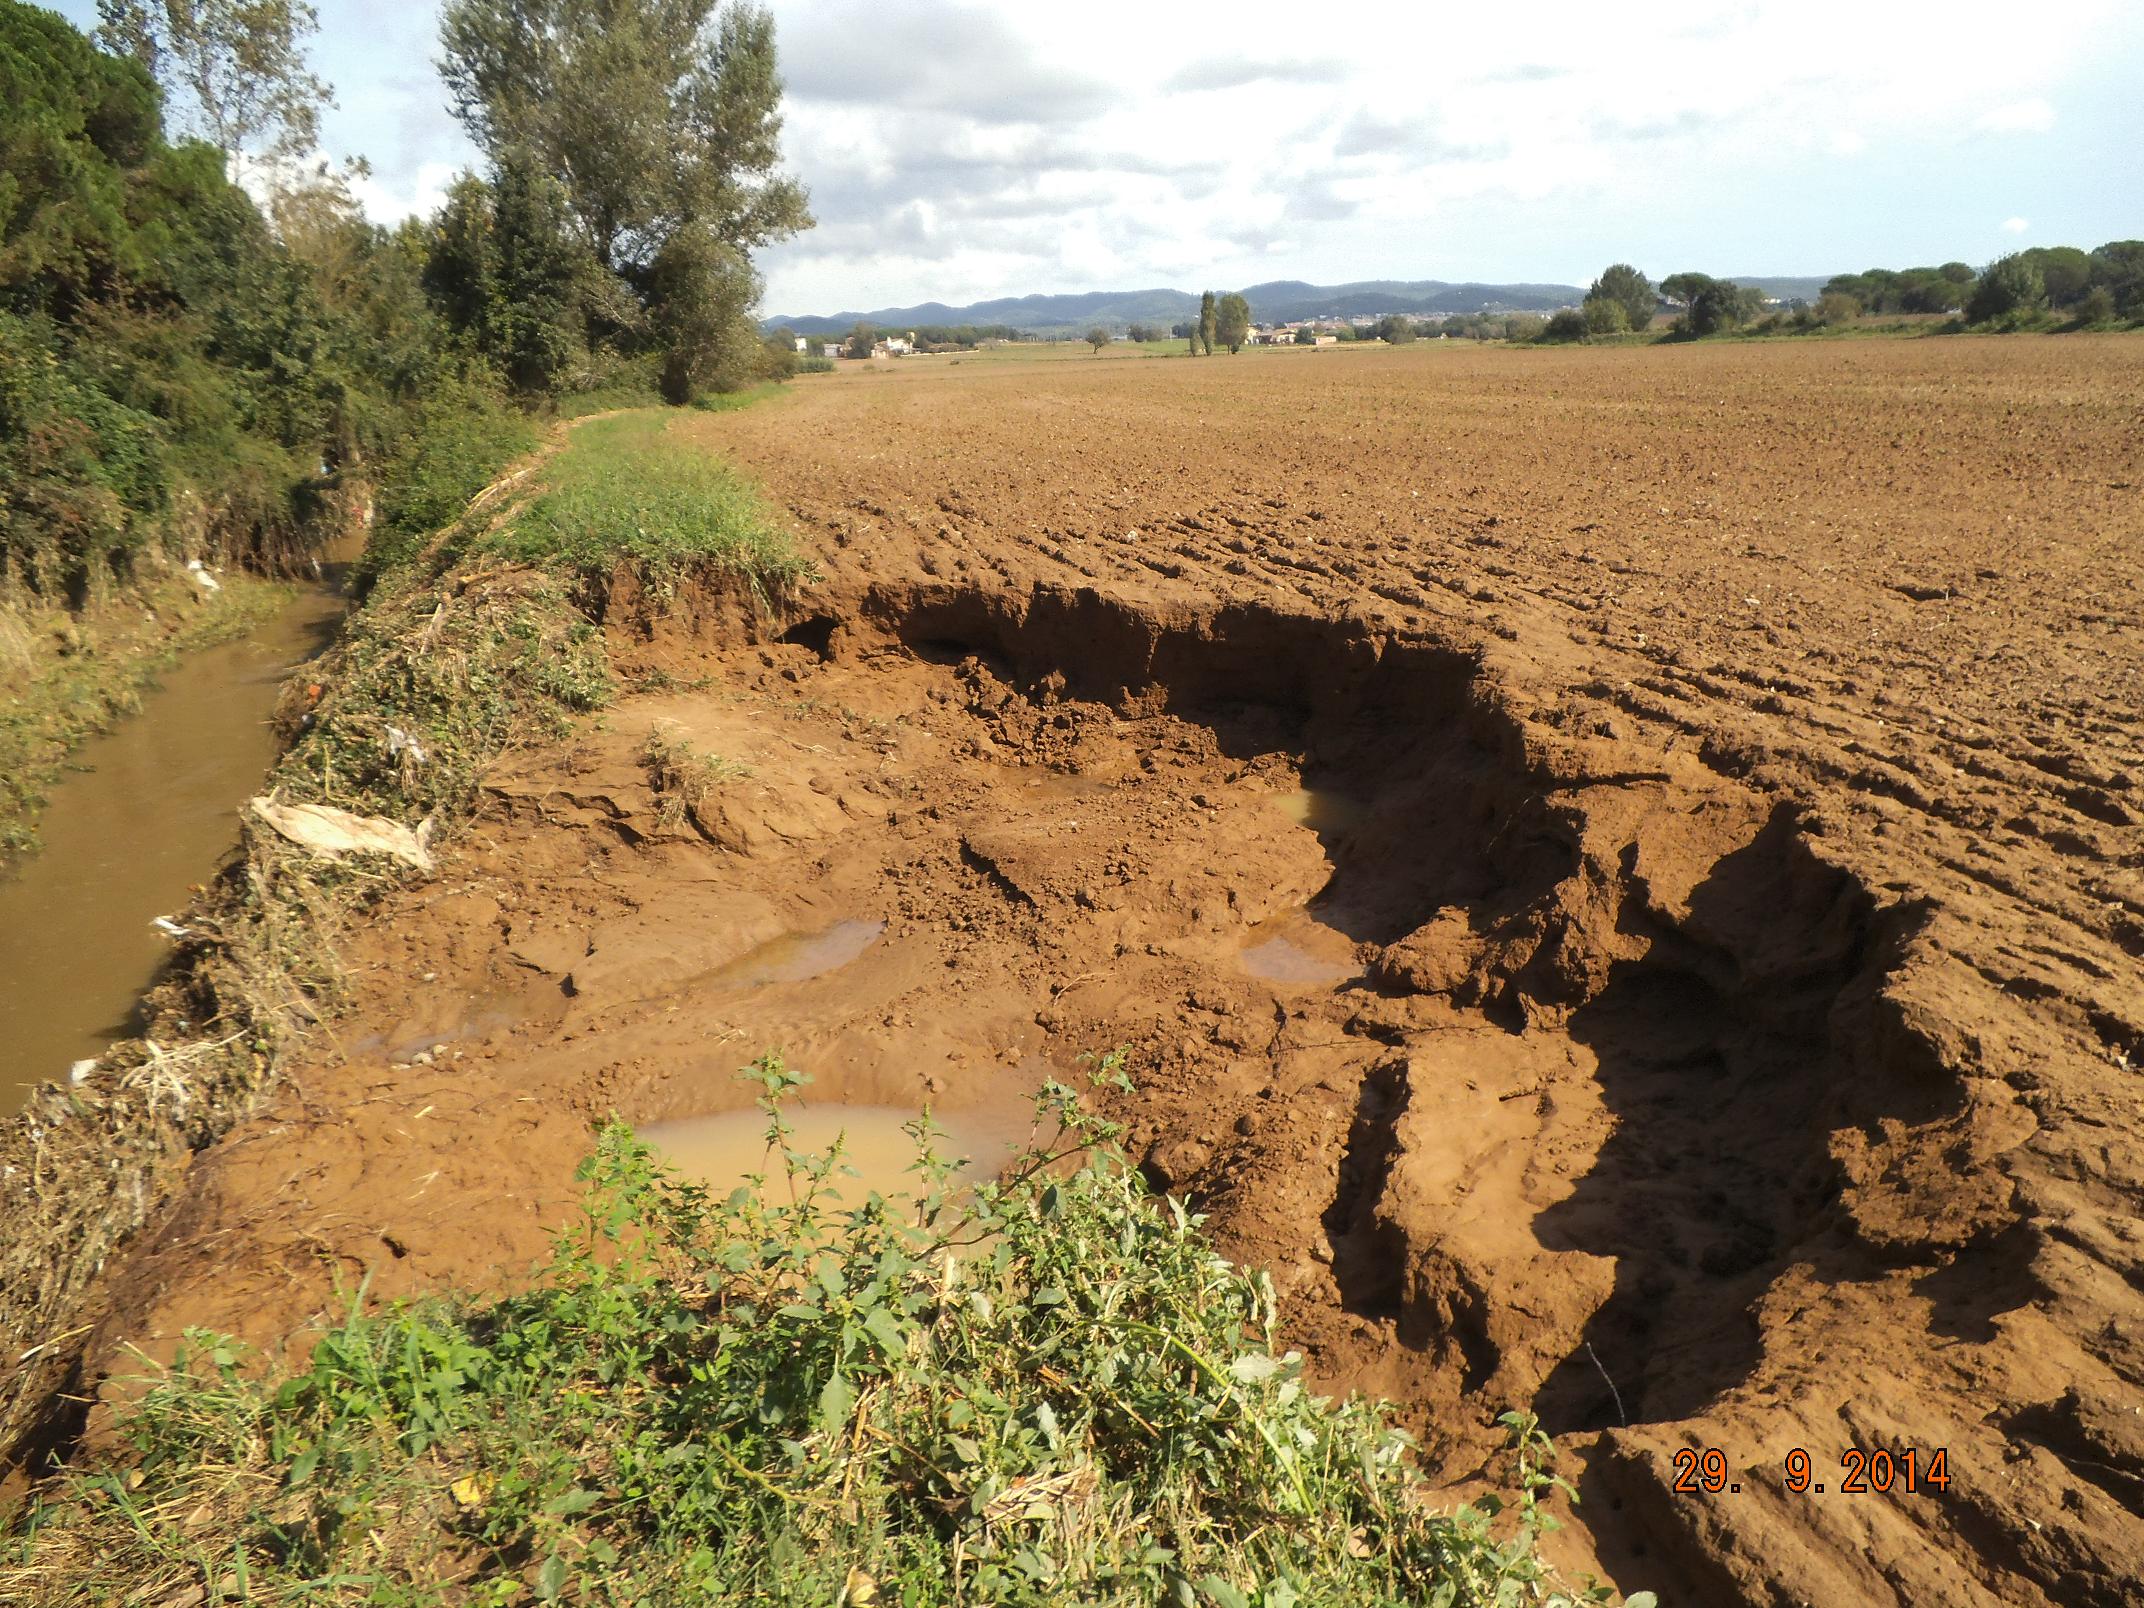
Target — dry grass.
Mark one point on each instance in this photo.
(684, 776)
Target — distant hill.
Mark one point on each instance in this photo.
(1787, 287)
(1282, 301)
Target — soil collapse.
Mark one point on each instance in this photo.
(1617, 873)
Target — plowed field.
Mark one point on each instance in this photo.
(1619, 873)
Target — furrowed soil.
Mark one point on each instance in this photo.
(1618, 871)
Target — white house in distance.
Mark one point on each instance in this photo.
(803, 343)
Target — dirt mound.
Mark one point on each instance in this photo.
(1595, 995)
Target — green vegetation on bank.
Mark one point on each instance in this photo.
(173, 374)
(190, 369)
(474, 641)
(459, 655)
(1041, 1391)
(622, 493)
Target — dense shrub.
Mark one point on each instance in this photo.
(2011, 285)
(1565, 324)
(156, 337)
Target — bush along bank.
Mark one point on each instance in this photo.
(1044, 1390)
(479, 638)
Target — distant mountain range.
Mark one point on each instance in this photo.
(1787, 287)
(1280, 302)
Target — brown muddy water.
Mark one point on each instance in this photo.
(878, 1154)
(147, 811)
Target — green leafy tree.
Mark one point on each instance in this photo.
(1604, 315)
(1684, 287)
(1396, 329)
(1232, 321)
(1306, 336)
(860, 339)
(507, 270)
(2095, 306)
(702, 289)
(2065, 273)
(1628, 289)
(2118, 266)
(1716, 308)
(2011, 285)
(156, 337)
(1925, 290)
(1098, 338)
(1209, 317)
(236, 69)
(1835, 307)
(654, 115)
(1565, 324)
(73, 122)
(656, 126)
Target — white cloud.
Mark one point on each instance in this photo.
(2015, 225)
(959, 149)
(418, 194)
(2032, 115)
(1049, 168)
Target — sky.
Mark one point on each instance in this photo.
(961, 149)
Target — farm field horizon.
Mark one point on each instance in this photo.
(1615, 871)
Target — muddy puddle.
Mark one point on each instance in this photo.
(727, 1150)
(798, 957)
(145, 812)
(1325, 812)
(1298, 950)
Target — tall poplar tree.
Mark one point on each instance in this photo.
(656, 116)
(234, 71)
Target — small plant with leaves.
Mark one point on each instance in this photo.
(1043, 1389)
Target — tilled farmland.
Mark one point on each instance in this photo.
(1618, 874)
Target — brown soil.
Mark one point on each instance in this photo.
(1719, 1022)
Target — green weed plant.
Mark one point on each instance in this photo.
(1046, 1389)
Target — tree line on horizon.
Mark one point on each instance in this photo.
(2043, 287)
(194, 362)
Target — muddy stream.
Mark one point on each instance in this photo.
(146, 811)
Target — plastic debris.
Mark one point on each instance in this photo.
(170, 928)
(198, 573)
(400, 742)
(331, 833)
(78, 1074)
